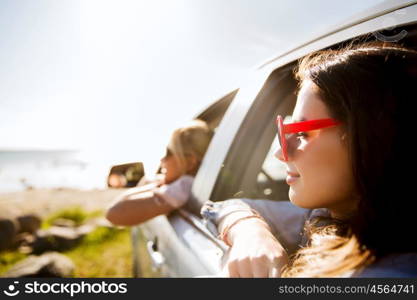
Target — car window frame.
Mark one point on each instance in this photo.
(209, 179)
(253, 141)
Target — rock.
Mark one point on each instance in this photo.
(29, 223)
(93, 224)
(22, 240)
(50, 264)
(58, 238)
(54, 238)
(85, 229)
(61, 222)
(8, 231)
(102, 222)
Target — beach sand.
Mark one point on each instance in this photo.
(46, 201)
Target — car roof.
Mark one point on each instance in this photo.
(295, 36)
(344, 19)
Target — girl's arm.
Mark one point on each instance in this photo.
(254, 249)
(140, 204)
(136, 206)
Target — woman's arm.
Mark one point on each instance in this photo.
(140, 204)
(256, 242)
(135, 206)
(254, 251)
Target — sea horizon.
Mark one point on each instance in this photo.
(22, 169)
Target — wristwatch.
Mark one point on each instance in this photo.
(214, 212)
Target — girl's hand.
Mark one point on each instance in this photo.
(255, 252)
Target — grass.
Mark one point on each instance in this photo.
(104, 252)
(75, 213)
(107, 252)
(9, 258)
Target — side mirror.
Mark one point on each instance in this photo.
(125, 175)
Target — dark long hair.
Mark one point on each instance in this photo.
(371, 88)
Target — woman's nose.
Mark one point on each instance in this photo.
(279, 154)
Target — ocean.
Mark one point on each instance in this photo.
(25, 169)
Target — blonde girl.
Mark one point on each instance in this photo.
(184, 153)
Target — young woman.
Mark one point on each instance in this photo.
(184, 154)
(348, 155)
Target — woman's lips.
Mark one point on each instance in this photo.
(292, 177)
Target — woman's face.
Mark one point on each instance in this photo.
(170, 168)
(319, 169)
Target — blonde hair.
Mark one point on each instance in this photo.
(191, 139)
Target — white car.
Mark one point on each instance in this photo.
(239, 161)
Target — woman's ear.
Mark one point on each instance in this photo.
(192, 164)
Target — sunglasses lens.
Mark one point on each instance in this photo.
(292, 143)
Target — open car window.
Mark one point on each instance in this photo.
(250, 169)
(213, 114)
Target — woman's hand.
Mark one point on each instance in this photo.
(255, 252)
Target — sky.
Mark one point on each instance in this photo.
(113, 78)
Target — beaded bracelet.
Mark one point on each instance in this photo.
(225, 231)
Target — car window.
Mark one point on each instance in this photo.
(270, 181)
(272, 168)
(250, 169)
(213, 114)
(271, 177)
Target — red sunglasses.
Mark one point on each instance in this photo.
(285, 129)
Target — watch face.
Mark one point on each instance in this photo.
(214, 212)
(207, 211)
(210, 216)
(212, 228)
